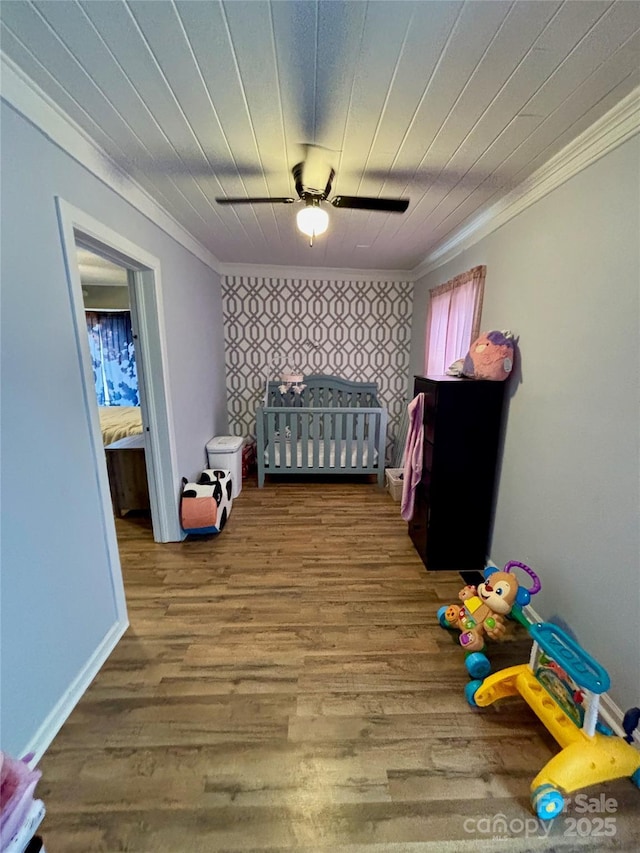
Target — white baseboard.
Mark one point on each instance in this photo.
(72, 695)
(610, 712)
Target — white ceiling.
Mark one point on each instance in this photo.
(449, 104)
(97, 270)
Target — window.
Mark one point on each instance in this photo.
(113, 358)
(453, 320)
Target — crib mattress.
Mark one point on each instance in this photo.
(338, 451)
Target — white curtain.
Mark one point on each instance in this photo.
(453, 321)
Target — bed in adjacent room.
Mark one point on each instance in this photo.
(118, 422)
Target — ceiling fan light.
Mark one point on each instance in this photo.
(312, 220)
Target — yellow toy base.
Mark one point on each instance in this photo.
(584, 760)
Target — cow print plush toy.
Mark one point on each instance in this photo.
(206, 505)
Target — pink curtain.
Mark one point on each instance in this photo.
(453, 320)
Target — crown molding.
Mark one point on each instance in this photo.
(28, 99)
(314, 273)
(615, 127)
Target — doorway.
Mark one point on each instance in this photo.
(81, 232)
(112, 347)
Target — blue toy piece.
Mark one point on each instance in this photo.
(478, 665)
(470, 689)
(630, 723)
(443, 622)
(547, 802)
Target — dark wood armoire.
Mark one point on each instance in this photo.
(454, 501)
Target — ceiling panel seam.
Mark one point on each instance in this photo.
(524, 171)
(346, 121)
(416, 208)
(106, 99)
(383, 109)
(495, 196)
(427, 88)
(245, 100)
(617, 126)
(280, 105)
(205, 88)
(559, 109)
(480, 119)
(26, 98)
(178, 105)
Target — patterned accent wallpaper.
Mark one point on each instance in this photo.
(358, 330)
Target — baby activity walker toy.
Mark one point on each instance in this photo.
(562, 684)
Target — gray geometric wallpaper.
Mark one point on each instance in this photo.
(358, 330)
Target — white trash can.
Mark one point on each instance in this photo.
(225, 452)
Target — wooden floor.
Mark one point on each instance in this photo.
(286, 686)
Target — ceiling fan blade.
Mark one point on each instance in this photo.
(358, 202)
(255, 200)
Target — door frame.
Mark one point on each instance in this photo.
(79, 229)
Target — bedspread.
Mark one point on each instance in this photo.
(118, 422)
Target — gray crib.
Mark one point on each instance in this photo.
(333, 426)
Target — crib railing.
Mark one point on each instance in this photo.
(324, 392)
(340, 440)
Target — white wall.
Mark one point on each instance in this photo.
(565, 277)
(57, 600)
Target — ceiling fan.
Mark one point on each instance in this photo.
(313, 219)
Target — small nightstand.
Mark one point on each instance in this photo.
(127, 474)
